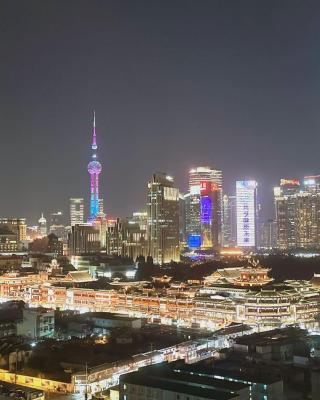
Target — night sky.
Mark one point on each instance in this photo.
(175, 84)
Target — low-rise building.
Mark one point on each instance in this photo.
(36, 323)
(262, 385)
(111, 321)
(162, 381)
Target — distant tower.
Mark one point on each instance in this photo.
(76, 211)
(94, 169)
(42, 227)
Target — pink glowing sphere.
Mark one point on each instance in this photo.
(94, 167)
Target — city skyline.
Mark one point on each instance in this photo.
(195, 88)
(160, 203)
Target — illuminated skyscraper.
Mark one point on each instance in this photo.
(76, 211)
(210, 218)
(163, 219)
(298, 213)
(285, 206)
(94, 169)
(42, 226)
(204, 208)
(246, 194)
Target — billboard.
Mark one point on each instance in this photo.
(194, 241)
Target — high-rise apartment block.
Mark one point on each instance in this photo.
(163, 219)
(76, 211)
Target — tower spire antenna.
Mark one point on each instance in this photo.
(94, 169)
(94, 136)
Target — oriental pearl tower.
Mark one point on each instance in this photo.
(94, 169)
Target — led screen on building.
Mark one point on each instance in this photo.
(206, 210)
(194, 241)
(246, 213)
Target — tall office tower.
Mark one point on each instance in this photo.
(76, 211)
(42, 226)
(182, 217)
(196, 228)
(209, 217)
(94, 169)
(267, 234)
(246, 193)
(187, 216)
(163, 219)
(16, 225)
(307, 220)
(285, 207)
(229, 225)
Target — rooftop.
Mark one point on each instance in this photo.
(106, 315)
(275, 336)
(136, 378)
(222, 370)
